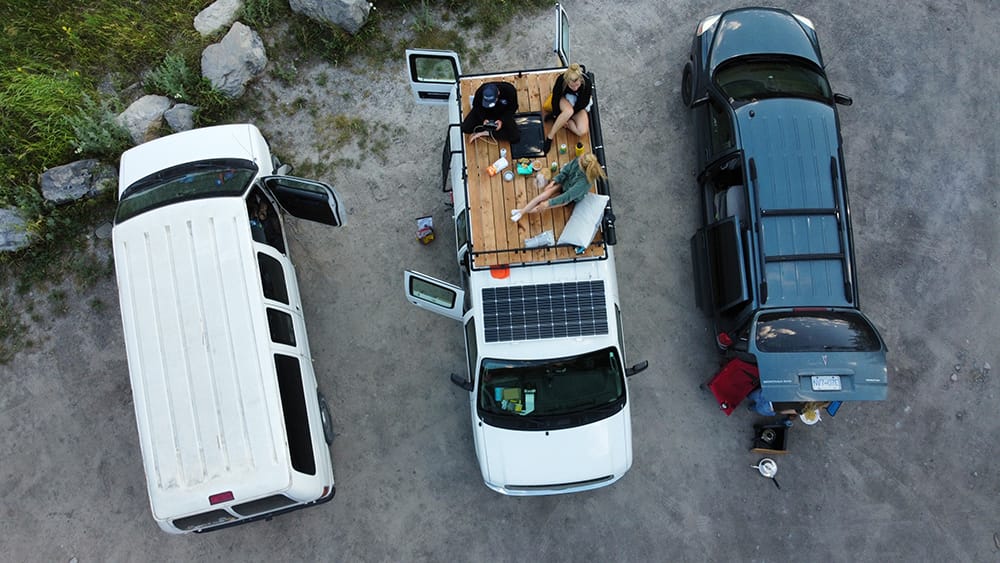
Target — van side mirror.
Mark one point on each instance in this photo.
(843, 99)
(461, 382)
(636, 368)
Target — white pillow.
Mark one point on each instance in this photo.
(586, 218)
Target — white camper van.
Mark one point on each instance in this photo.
(546, 376)
(232, 425)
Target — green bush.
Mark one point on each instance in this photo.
(97, 131)
(173, 78)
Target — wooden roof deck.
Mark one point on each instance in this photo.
(496, 240)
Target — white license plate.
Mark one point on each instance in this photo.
(826, 383)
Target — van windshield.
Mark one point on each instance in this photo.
(560, 392)
(191, 180)
(816, 331)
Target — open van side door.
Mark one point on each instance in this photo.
(433, 74)
(306, 199)
(434, 295)
(561, 46)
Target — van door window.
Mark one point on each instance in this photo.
(720, 128)
(272, 278)
(280, 324)
(293, 407)
(471, 348)
(265, 226)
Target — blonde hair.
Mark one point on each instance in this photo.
(592, 167)
(572, 74)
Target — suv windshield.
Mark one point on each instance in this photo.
(816, 331)
(192, 180)
(746, 80)
(529, 393)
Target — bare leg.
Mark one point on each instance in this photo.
(579, 124)
(538, 203)
(565, 114)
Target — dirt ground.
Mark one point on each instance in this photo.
(913, 478)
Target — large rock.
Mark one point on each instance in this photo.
(144, 117)
(234, 61)
(83, 178)
(217, 16)
(180, 117)
(13, 230)
(349, 15)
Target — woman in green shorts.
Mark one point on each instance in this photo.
(573, 181)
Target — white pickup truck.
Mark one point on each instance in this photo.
(543, 329)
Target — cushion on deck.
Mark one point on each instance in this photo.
(586, 218)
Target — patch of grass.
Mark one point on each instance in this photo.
(260, 13)
(12, 332)
(286, 73)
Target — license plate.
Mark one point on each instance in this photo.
(826, 383)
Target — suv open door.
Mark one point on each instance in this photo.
(306, 199)
(433, 74)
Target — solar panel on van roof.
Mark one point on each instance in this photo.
(535, 312)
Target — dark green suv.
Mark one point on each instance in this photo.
(773, 261)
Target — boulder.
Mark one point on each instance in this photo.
(13, 230)
(144, 117)
(76, 180)
(349, 15)
(217, 16)
(180, 117)
(234, 61)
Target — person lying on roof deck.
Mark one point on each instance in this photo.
(574, 181)
(494, 101)
(570, 97)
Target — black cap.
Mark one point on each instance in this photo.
(490, 93)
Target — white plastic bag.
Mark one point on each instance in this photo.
(543, 239)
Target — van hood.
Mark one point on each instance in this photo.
(537, 459)
(788, 376)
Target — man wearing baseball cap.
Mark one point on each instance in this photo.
(492, 113)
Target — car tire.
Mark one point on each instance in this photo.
(686, 86)
(325, 419)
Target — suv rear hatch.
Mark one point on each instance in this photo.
(819, 355)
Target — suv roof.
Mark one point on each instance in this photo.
(791, 151)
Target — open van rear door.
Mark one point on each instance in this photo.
(561, 46)
(434, 295)
(433, 74)
(306, 199)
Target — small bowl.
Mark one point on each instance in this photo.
(508, 175)
(537, 165)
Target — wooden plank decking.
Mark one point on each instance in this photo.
(496, 240)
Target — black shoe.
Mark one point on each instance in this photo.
(547, 146)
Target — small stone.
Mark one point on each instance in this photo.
(104, 231)
(954, 377)
(960, 415)
(986, 366)
(958, 367)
